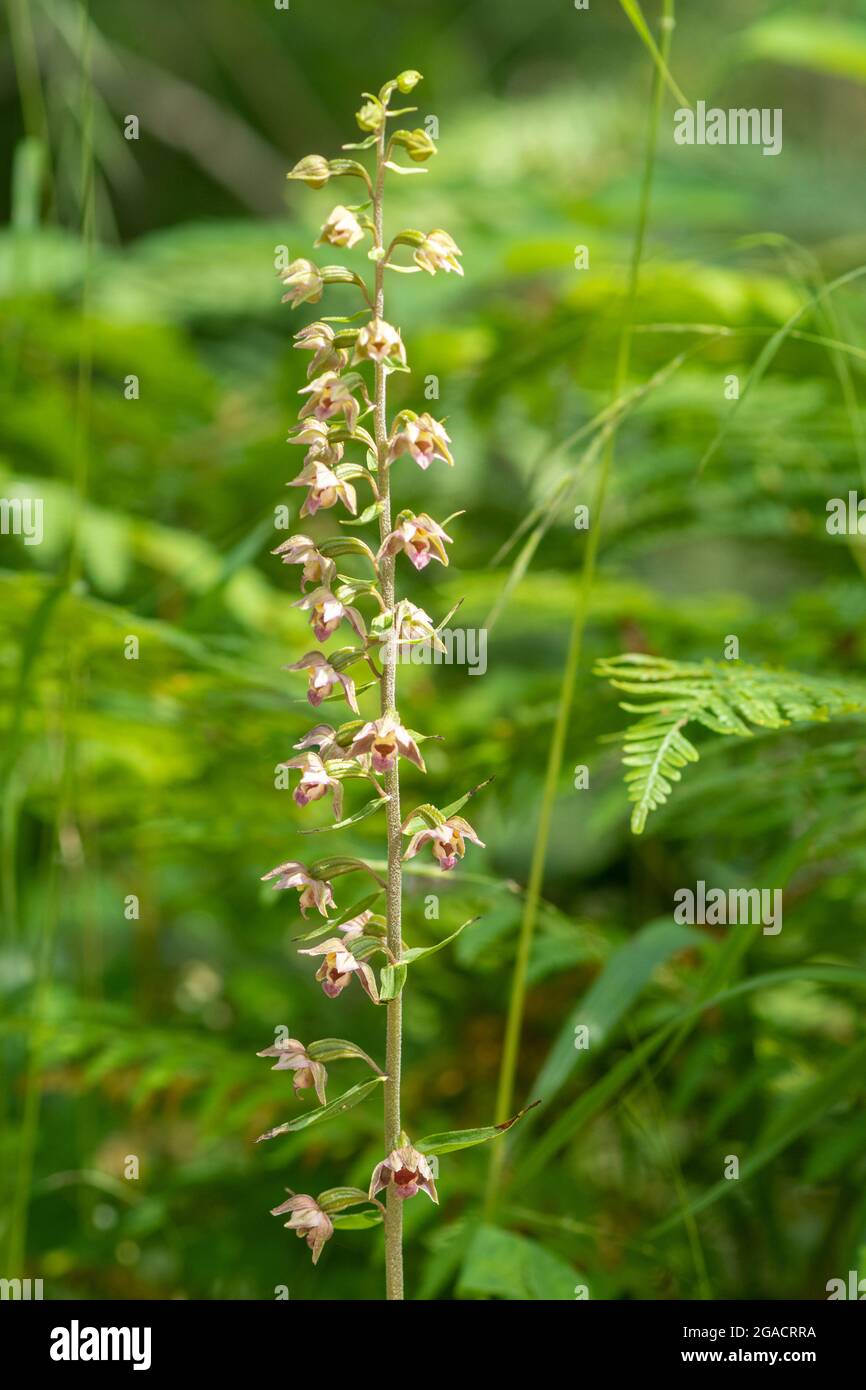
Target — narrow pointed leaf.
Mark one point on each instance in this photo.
(325, 1112)
(454, 1139)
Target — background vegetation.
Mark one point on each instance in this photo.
(155, 777)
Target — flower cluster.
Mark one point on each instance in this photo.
(342, 426)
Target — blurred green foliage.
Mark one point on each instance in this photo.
(155, 777)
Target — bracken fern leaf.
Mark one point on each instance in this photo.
(724, 697)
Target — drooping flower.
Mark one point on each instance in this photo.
(300, 550)
(378, 341)
(318, 338)
(327, 612)
(414, 627)
(420, 436)
(292, 1056)
(313, 170)
(338, 967)
(308, 1219)
(323, 678)
(331, 395)
(326, 489)
(408, 1171)
(315, 892)
(447, 841)
(315, 782)
(438, 251)
(342, 228)
(384, 739)
(304, 283)
(315, 435)
(422, 538)
(323, 737)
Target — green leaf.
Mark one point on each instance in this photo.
(368, 514)
(357, 1220)
(500, 1264)
(635, 14)
(325, 1112)
(454, 1139)
(362, 905)
(725, 697)
(367, 810)
(332, 1049)
(419, 952)
(421, 817)
(336, 1198)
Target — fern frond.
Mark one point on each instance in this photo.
(724, 697)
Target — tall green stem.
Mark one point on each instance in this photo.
(517, 1002)
(394, 1021)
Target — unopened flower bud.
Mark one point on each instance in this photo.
(408, 80)
(313, 170)
(371, 116)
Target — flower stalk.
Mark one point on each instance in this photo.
(388, 703)
(338, 403)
